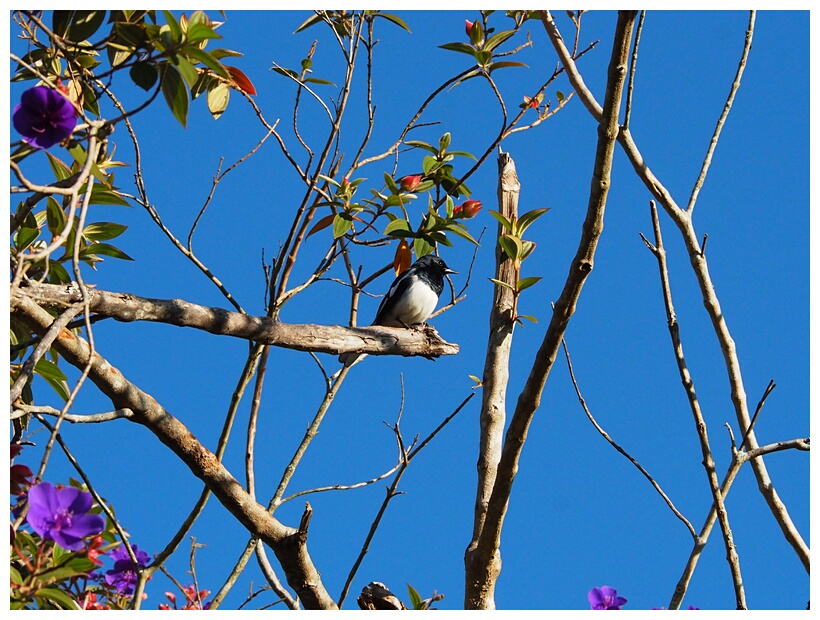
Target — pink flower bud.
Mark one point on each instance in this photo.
(467, 210)
(410, 183)
(468, 27)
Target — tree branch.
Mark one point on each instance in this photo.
(481, 574)
(683, 221)
(333, 339)
(288, 544)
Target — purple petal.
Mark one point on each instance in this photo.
(75, 500)
(85, 525)
(595, 598)
(44, 117)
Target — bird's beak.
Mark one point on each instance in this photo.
(448, 270)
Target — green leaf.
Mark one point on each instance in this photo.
(144, 75)
(559, 95)
(220, 53)
(200, 32)
(286, 72)
(60, 170)
(458, 229)
(391, 184)
(53, 376)
(527, 219)
(502, 220)
(497, 39)
(60, 21)
(505, 63)
(186, 69)
(422, 145)
(459, 47)
(400, 225)
(57, 274)
(311, 21)
(526, 316)
(504, 284)
(104, 249)
(103, 231)
(342, 223)
(482, 57)
(429, 164)
(511, 246)
(55, 216)
(529, 246)
(25, 237)
(84, 24)
(422, 247)
(208, 60)
(313, 80)
(395, 19)
(461, 154)
(415, 599)
(173, 25)
(103, 196)
(58, 597)
(524, 283)
(219, 94)
(78, 153)
(175, 93)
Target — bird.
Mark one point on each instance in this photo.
(411, 298)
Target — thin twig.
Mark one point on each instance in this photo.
(606, 436)
(726, 108)
(700, 423)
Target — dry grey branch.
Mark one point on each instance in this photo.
(700, 423)
(683, 221)
(496, 365)
(483, 570)
(612, 442)
(332, 339)
(289, 544)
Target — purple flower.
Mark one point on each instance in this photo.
(605, 598)
(44, 117)
(62, 515)
(123, 576)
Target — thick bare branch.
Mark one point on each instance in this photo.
(481, 575)
(496, 365)
(332, 339)
(683, 221)
(289, 544)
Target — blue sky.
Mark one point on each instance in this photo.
(580, 515)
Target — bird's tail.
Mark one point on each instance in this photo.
(348, 359)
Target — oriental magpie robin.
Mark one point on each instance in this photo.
(411, 298)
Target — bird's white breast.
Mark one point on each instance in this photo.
(417, 304)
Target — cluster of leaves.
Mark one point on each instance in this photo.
(484, 43)
(518, 249)
(419, 604)
(395, 195)
(43, 574)
(169, 56)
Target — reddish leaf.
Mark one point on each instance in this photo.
(241, 80)
(401, 262)
(322, 224)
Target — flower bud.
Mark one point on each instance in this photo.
(410, 183)
(467, 210)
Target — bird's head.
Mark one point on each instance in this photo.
(433, 262)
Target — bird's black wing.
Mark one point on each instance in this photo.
(385, 314)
